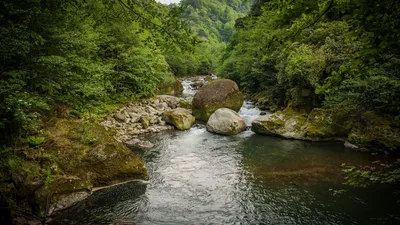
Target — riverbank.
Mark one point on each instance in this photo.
(365, 131)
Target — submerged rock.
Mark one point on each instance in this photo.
(218, 94)
(181, 118)
(226, 122)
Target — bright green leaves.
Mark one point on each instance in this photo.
(345, 51)
(82, 55)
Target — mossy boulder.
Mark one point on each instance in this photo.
(170, 87)
(181, 118)
(330, 123)
(217, 94)
(76, 156)
(226, 122)
(375, 132)
(286, 124)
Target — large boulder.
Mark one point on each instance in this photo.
(87, 157)
(226, 122)
(218, 94)
(181, 118)
(280, 124)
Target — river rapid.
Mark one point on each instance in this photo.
(196, 177)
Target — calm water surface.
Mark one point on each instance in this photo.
(200, 178)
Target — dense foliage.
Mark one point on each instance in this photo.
(81, 55)
(213, 21)
(319, 53)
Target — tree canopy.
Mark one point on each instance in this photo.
(320, 53)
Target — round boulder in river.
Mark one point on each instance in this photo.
(226, 122)
(218, 94)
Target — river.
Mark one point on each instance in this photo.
(196, 177)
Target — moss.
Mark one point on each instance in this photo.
(374, 132)
(67, 162)
(215, 95)
(273, 124)
(185, 104)
(329, 123)
(170, 86)
(180, 118)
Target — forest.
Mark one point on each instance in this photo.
(339, 53)
(80, 60)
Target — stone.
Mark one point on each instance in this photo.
(142, 144)
(134, 117)
(218, 94)
(180, 118)
(226, 122)
(145, 121)
(150, 110)
(280, 124)
(120, 117)
(82, 166)
(171, 101)
(154, 120)
(349, 145)
(133, 131)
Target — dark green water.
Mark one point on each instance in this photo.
(200, 178)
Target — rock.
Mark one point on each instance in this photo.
(171, 101)
(319, 125)
(263, 113)
(154, 120)
(134, 117)
(180, 118)
(120, 117)
(278, 124)
(142, 144)
(150, 110)
(218, 94)
(145, 121)
(69, 200)
(133, 131)
(170, 87)
(226, 122)
(376, 133)
(85, 160)
(349, 145)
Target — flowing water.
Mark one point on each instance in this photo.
(196, 177)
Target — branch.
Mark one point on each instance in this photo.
(318, 18)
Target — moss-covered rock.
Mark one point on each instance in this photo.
(170, 87)
(76, 157)
(218, 94)
(285, 124)
(181, 118)
(330, 123)
(375, 132)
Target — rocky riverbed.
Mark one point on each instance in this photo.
(145, 116)
(132, 122)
